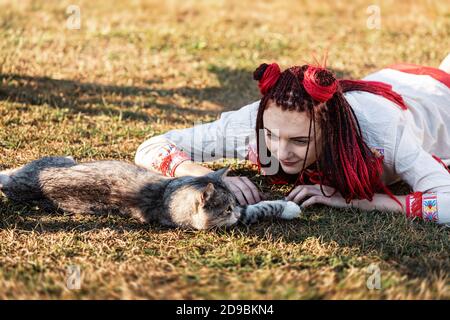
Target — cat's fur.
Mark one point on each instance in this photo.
(124, 188)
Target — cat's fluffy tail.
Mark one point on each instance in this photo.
(5, 176)
(4, 179)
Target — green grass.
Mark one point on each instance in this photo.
(135, 70)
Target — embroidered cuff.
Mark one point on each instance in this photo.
(429, 207)
(168, 158)
(422, 205)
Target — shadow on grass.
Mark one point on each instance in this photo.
(235, 90)
(28, 218)
(416, 248)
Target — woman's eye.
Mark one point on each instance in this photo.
(300, 142)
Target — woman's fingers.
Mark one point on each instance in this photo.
(246, 191)
(301, 195)
(262, 195)
(306, 192)
(238, 194)
(254, 190)
(293, 193)
(315, 200)
(335, 201)
(302, 191)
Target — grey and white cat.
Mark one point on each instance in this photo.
(120, 187)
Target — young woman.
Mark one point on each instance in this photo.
(341, 142)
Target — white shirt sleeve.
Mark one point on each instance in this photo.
(227, 137)
(423, 173)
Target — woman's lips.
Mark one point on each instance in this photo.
(289, 163)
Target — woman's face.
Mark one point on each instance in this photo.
(286, 137)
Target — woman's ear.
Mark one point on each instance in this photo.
(207, 193)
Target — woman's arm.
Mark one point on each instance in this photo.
(161, 155)
(381, 202)
(429, 179)
(430, 206)
(176, 152)
(189, 168)
(164, 157)
(227, 137)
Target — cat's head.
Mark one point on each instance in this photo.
(215, 203)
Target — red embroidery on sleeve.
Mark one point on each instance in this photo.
(414, 205)
(441, 162)
(429, 207)
(422, 205)
(168, 158)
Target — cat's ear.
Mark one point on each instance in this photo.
(207, 193)
(221, 173)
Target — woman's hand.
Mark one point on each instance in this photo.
(316, 197)
(379, 201)
(244, 190)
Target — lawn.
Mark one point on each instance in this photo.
(139, 68)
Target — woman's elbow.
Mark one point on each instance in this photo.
(139, 155)
(144, 151)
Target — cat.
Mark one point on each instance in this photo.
(110, 186)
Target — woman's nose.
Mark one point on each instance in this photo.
(284, 151)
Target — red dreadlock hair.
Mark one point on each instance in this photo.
(346, 162)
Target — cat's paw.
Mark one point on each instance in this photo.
(291, 211)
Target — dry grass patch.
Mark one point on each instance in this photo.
(138, 69)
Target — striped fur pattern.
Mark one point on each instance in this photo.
(59, 183)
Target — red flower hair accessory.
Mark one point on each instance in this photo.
(315, 90)
(270, 75)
